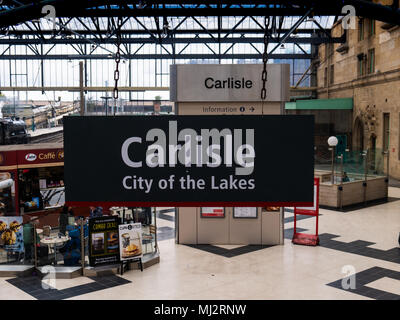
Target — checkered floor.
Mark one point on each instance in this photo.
(358, 258)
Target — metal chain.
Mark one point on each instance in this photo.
(264, 75)
(117, 59)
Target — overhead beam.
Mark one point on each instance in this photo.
(77, 89)
(29, 10)
(109, 89)
(292, 29)
(303, 40)
(66, 32)
(154, 56)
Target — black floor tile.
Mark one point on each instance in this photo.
(336, 284)
(33, 286)
(229, 253)
(388, 296)
(365, 277)
(43, 296)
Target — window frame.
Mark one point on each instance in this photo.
(371, 27)
(371, 61)
(361, 67)
(332, 74)
(361, 27)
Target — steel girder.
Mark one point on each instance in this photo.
(136, 32)
(14, 12)
(169, 41)
(78, 35)
(206, 56)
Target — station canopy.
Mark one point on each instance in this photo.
(163, 31)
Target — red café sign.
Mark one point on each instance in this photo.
(40, 156)
(30, 157)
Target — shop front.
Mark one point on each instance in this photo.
(38, 175)
(38, 232)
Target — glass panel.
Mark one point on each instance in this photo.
(357, 164)
(386, 131)
(59, 238)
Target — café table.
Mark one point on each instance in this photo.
(54, 241)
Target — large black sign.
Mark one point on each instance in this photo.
(189, 160)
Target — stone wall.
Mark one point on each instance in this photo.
(375, 93)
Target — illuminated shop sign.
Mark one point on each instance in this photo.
(41, 156)
(30, 157)
(189, 160)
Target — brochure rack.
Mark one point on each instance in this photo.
(302, 238)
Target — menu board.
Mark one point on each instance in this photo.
(103, 241)
(212, 212)
(11, 234)
(130, 241)
(245, 212)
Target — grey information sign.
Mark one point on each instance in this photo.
(200, 83)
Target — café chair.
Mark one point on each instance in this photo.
(46, 231)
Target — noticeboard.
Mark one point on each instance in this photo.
(245, 212)
(212, 212)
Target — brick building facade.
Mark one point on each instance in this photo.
(367, 69)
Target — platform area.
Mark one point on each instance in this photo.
(44, 131)
(362, 243)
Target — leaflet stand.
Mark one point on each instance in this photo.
(302, 238)
(125, 264)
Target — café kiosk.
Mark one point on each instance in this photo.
(228, 90)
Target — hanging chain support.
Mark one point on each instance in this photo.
(117, 58)
(264, 75)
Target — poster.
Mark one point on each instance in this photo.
(213, 212)
(130, 241)
(245, 212)
(11, 234)
(103, 241)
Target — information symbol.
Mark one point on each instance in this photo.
(242, 109)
